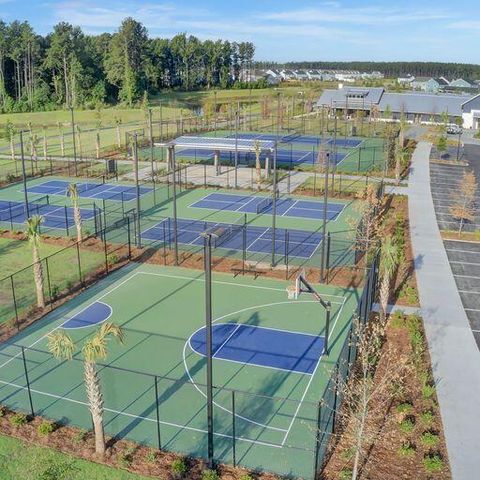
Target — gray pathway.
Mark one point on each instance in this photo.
(454, 353)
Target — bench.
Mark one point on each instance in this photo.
(251, 270)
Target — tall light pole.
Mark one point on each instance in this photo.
(207, 257)
(215, 112)
(236, 149)
(274, 203)
(24, 175)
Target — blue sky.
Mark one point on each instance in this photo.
(283, 30)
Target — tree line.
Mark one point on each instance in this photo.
(70, 68)
(389, 69)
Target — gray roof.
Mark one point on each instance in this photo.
(339, 97)
(221, 143)
(423, 103)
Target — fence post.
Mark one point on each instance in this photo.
(335, 398)
(28, 382)
(317, 440)
(129, 239)
(106, 255)
(204, 175)
(66, 221)
(14, 302)
(314, 183)
(157, 410)
(234, 451)
(327, 261)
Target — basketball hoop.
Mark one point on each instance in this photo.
(292, 292)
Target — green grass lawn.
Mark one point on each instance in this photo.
(23, 461)
(16, 258)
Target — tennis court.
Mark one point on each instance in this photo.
(54, 216)
(237, 237)
(286, 207)
(284, 156)
(268, 370)
(93, 190)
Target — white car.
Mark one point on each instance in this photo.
(454, 129)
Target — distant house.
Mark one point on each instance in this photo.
(273, 73)
(406, 79)
(430, 85)
(271, 79)
(314, 75)
(301, 75)
(287, 75)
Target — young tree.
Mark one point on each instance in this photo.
(72, 192)
(258, 167)
(389, 257)
(33, 147)
(61, 138)
(79, 140)
(442, 145)
(367, 395)
(10, 131)
(62, 347)
(464, 200)
(118, 122)
(98, 126)
(33, 235)
(45, 144)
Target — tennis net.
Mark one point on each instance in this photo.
(229, 231)
(291, 136)
(17, 210)
(264, 204)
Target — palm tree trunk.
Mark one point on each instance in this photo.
(38, 277)
(95, 404)
(77, 217)
(258, 169)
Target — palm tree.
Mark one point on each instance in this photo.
(72, 192)
(61, 346)
(33, 236)
(389, 257)
(258, 149)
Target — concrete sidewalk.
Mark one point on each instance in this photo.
(454, 353)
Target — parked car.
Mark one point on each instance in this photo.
(453, 129)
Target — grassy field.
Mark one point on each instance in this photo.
(19, 460)
(16, 256)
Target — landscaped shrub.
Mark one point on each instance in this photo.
(151, 456)
(405, 407)
(428, 391)
(406, 450)
(79, 436)
(427, 417)
(345, 474)
(429, 439)
(407, 425)
(18, 419)
(46, 428)
(210, 475)
(179, 468)
(432, 463)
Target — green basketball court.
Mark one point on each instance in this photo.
(266, 408)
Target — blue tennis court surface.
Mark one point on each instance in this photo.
(263, 347)
(286, 207)
(107, 191)
(291, 243)
(299, 157)
(54, 216)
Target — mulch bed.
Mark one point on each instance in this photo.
(383, 461)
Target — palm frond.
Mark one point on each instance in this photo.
(61, 345)
(96, 347)
(389, 256)
(33, 228)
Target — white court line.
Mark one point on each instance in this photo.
(228, 338)
(471, 309)
(469, 291)
(289, 208)
(312, 377)
(117, 412)
(464, 263)
(92, 324)
(63, 323)
(461, 251)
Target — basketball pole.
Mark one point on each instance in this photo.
(175, 226)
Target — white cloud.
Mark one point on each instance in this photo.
(466, 25)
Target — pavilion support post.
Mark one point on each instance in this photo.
(216, 162)
(267, 166)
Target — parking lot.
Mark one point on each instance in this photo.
(464, 258)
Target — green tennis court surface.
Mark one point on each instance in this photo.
(275, 399)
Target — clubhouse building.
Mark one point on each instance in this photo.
(415, 107)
